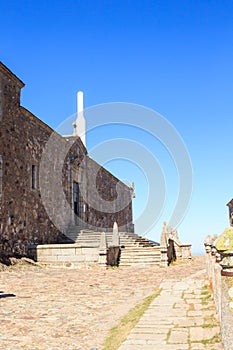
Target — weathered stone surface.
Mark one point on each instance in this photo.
(75, 309)
(26, 184)
(178, 336)
(181, 328)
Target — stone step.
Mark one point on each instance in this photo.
(131, 262)
(140, 249)
(144, 263)
(135, 259)
(140, 257)
(137, 251)
(139, 266)
(140, 254)
(150, 258)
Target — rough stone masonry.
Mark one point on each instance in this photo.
(23, 218)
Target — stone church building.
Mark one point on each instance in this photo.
(36, 205)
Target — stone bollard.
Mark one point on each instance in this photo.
(115, 235)
(163, 246)
(212, 258)
(103, 250)
(224, 246)
(216, 277)
(207, 245)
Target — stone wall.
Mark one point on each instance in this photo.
(181, 251)
(23, 219)
(219, 265)
(36, 201)
(109, 199)
(67, 255)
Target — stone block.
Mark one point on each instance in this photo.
(49, 258)
(91, 258)
(65, 251)
(79, 258)
(43, 252)
(78, 251)
(55, 251)
(178, 336)
(89, 251)
(200, 333)
(66, 258)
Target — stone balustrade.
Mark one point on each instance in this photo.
(219, 265)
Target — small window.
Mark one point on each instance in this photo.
(33, 177)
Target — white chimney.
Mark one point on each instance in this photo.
(80, 123)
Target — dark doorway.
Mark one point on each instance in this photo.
(76, 199)
(171, 253)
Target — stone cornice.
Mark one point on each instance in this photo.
(6, 72)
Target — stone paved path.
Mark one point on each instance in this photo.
(69, 309)
(180, 318)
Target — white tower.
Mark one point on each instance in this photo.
(80, 123)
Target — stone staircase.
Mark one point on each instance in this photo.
(140, 257)
(138, 251)
(135, 250)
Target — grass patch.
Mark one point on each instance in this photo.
(208, 296)
(230, 282)
(168, 335)
(118, 334)
(208, 325)
(210, 322)
(205, 295)
(180, 262)
(213, 340)
(205, 292)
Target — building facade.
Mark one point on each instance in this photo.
(44, 190)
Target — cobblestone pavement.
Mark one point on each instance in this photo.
(180, 318)
(51, 309)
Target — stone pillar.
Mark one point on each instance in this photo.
(163, 236)
(164, 259)
(103, 251)
(224, 246)
(115, 235)
(163, 246)
(216, 277)
(212, 260)
(207, 245)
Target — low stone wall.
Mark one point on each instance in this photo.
(220, 273)
(183, 251)
(68, 255)
(75, 254)
(213, 269)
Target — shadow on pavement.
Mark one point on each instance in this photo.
(2, 296)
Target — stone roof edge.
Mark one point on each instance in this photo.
(46, 127)
(108, 173)
(38, 121)
(6, 71)
(230, 203)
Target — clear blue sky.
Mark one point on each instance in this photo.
(175, 57)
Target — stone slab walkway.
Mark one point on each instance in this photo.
(182, 317)
(74, 309)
